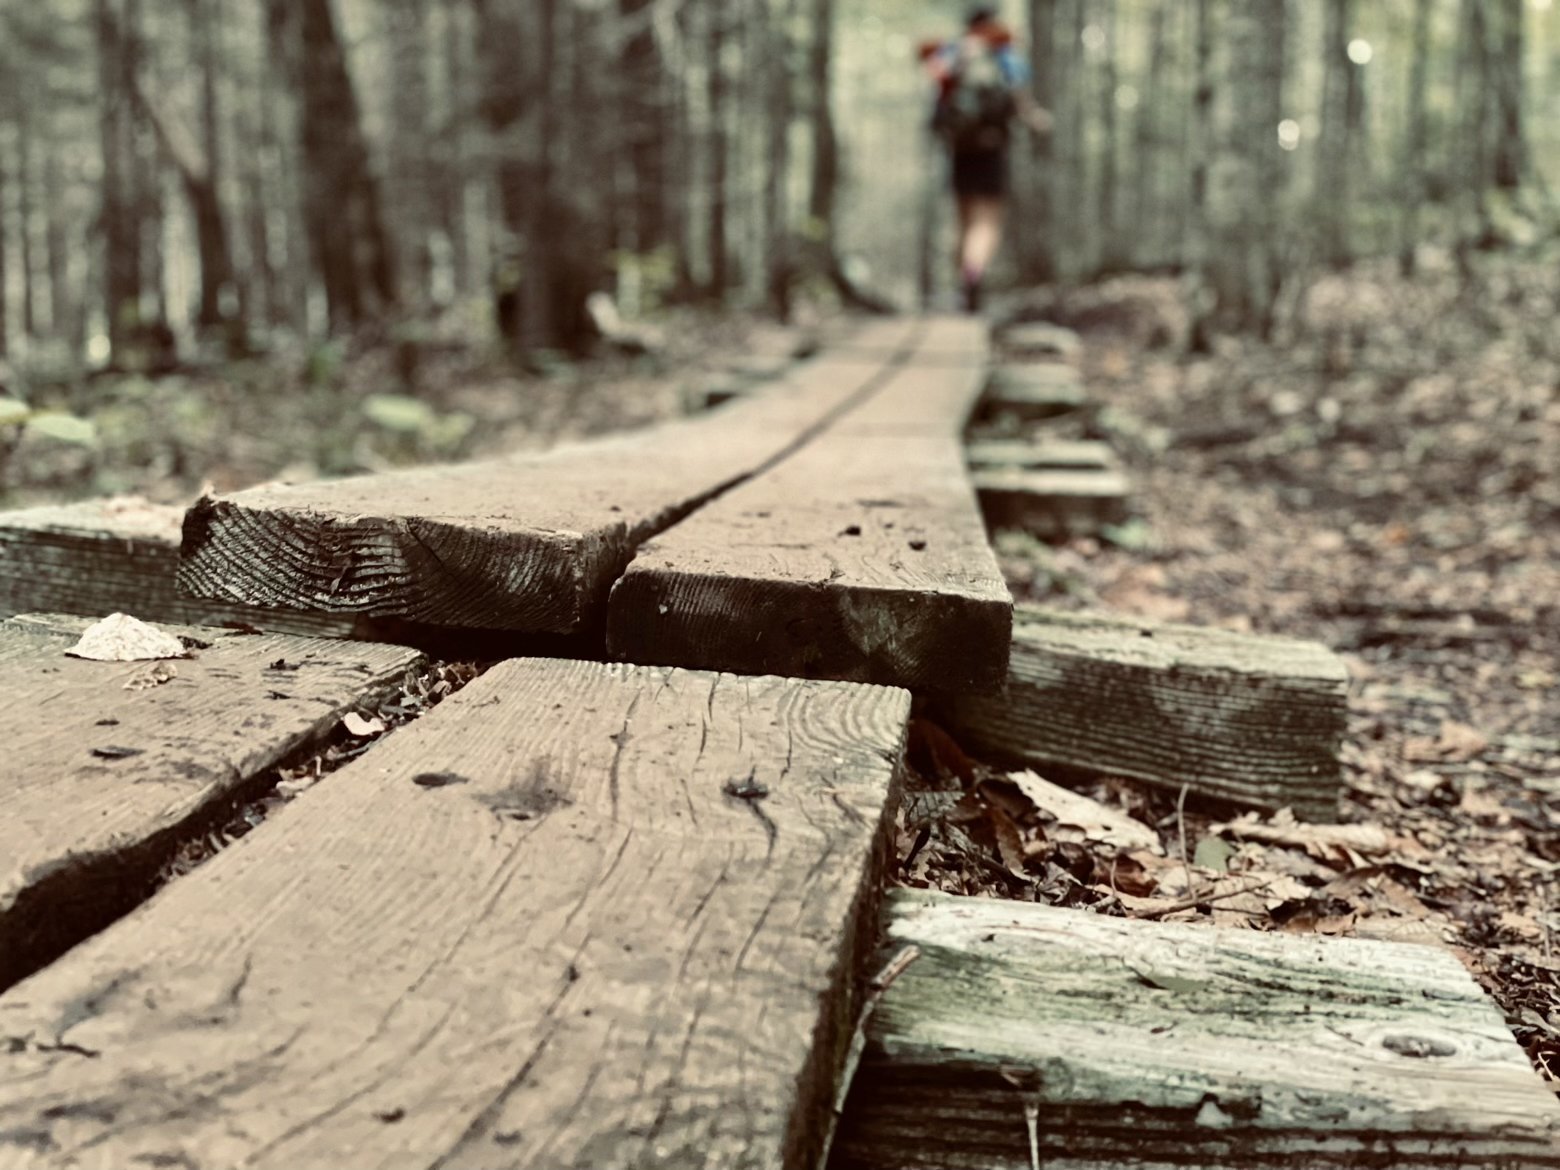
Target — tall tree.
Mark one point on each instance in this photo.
(1037, 245)
(1413, 169)
(119, 214)
(342, 211)
(1332, 205)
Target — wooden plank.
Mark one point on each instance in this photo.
(529, 543)
(1252, 719)
(861, 557)
(1032, 392)
(1152, 1046)
(119, 555)
(578, 916)
(1039, 340)
(1053, 504)
(102, 781)
(1043, 454)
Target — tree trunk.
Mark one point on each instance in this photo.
(1146, 169)
(719, 147)
(1333, 185)
(824, 186)
(1200, 337)
(1114, 249)
(778, 262)
(119, 214)
(341, 202)
(1037, 246)
(1509, 164)
(1415, 140)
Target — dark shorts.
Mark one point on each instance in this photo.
(981, 173)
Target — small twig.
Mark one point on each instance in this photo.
(1180, 827)
(1204, 900)
(877, 986)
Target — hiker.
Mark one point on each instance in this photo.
(982, 86)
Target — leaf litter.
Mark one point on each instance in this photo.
(1385, 481)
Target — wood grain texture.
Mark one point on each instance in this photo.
(860, 557)
(578, 916)
(1246, 718)
(1042, 454)
(1155, 1046)
(100, 783)
(119, 555)
(529, 543)
(1053, 504)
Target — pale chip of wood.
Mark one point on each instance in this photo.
(152, 676)
(122, 638)
(1092, 819)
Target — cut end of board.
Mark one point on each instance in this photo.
(410, 568)
(941, 643)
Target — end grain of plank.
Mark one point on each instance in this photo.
(1152, 1046)
(1245, 718)
(1053, 504)
(119, 555)
(578, 916)
(101, 783)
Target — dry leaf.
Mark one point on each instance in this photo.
(358, 725)
(152, 676)
(1318, 840)
(122, 638)
(1091, 819)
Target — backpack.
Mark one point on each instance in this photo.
(977, 106)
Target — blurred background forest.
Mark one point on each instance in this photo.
(272, 193)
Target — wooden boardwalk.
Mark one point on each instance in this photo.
(620, 914)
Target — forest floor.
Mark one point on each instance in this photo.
(1386, 482)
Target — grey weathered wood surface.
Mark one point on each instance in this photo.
(1030, 340)
(860, 557)
(579, 915)
(83, 825)
(1053, 503)
(1241, 717)
(1035, 391)
(1150, 1046)
(530, 543)
(119, 555)
(1043, 454)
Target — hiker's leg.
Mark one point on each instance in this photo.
(980, 235)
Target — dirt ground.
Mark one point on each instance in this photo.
(1387, 483)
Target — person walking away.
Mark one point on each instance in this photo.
(982, 87)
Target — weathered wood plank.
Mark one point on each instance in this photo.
(119, 555)
(861, 557)
(1039, 340)
(1151, 1046)
(1043, 454)
(578, 916)
(1032, 392)
(101, 782)
(528, 543)
(1053, 504)
(1253, 719)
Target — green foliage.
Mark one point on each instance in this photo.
(64, 428)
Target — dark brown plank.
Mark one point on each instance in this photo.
(1053, 504)
(119, 555)
(1241, 717)
(578, 916)
(1156, 1046)
(101, 782)
(530, 543)
(860, 557)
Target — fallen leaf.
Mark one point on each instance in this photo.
(112, 752)
(153, 676)
(1089, 818)
(1213, 853)
(358, 725)
(1318, 840)
(122, 638)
